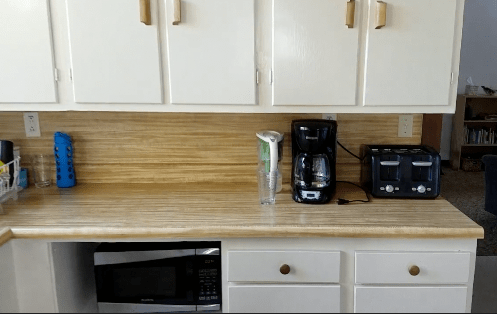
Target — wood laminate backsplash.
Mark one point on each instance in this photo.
(120, 147)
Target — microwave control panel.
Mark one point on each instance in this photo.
(209, 287)
(209, 279)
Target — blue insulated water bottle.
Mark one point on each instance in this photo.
(63, 152)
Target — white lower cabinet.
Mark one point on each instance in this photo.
(272, 275)
(284, 299)
(8, 290)
(335, 275)
(410, 299)
(411, 272)
(295, 281)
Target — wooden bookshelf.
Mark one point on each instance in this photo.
(480, 121)
(479, 145)
(479, 106)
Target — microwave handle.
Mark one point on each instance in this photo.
(210, 252)
(112, 258)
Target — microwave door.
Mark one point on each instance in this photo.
(145, 277)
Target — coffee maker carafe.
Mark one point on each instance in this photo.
(314, 146)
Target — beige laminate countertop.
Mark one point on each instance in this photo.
(95, 211)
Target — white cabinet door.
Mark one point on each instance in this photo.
(8, 285)
(26, 56)
(284, 299)
(34, 276)
(115, 58)
(212, 52)
(410, 299)
(409, 61)
(315, 55)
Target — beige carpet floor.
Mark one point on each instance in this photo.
(466, 191)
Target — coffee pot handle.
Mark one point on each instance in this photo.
(307, 175)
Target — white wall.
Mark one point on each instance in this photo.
(479, 44)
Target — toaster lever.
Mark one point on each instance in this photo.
(389, 163)
(422, 163)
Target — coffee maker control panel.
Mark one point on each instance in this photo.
(310, 195)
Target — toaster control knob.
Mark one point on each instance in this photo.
(389, 189)
(421, 189)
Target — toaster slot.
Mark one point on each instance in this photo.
(389, 170)
(422, 169)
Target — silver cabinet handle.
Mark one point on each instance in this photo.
(422, 163)
(389, 163)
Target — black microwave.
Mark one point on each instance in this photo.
(158, 277)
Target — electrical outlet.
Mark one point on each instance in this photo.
(32, 124)
(330, 116)
(405, 125)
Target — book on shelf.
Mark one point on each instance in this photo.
(479, 136)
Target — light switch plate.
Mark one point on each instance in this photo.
(405, 125)
(32, 124)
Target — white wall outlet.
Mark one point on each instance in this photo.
(330, 116)
(32, 124)
(405, 125)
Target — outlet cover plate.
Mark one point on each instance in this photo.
(330, 116)
(32, 124)
(405, 125)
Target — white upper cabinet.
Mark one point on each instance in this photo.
(26, 56)
(115, 57)
(410, 60)
(252, 56)
(211, 52)
(315, 55)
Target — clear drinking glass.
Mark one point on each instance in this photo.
(42, 170)
(267, 186)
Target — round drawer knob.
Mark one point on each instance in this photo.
(285, 269)
(414, 270)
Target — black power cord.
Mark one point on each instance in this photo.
(348, 151)
(342, 201)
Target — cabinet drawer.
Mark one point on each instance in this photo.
(284, 299)
(265, 266)
(410, 299)
(396, 268)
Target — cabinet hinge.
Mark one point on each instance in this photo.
(70, 74)
(452, 78)
(271, 77)
(56, 74)
(257, 77)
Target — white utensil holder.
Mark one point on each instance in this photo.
(6, 190)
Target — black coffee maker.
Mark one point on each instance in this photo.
(314, 146)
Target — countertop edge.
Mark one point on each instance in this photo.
(5, 235)
(243, 232)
